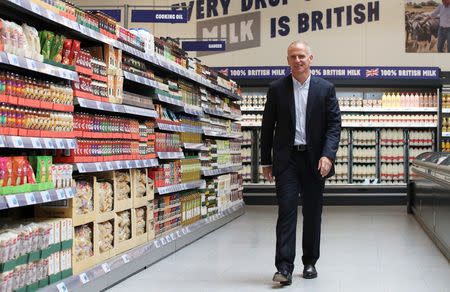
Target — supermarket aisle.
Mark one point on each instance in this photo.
(363, 249)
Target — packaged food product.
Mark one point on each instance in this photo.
(3, 170)
(83, 198)
(66, 51)
(106, 196)
(8, 173)
(82, 244)
(74, 51)
(46, 43)
(124, 225)
(140, 221)
(106, 236)
(4, 247)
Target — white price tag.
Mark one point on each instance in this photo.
(83, 29)
(188, 229)
(67, 22)
(163, 241)
(17, 142)
(172, 235)
(61, 194)
(72, 144)
(114, 107)
(145, 163)
(45, 196)
(64, 74)
(13, 59)
(126, 259)
(82, 102)
(184, 231)
(2, 142)
(12, 201)
(54, 72)
(106, 268)
(51, 15)
(178, 233)
(168, 239)
(99, 105)
(48, 143)
(17, 2)
(36, 8)
(138, 163)
(31, 64)
(62, 287)
(109, 166)
(81, 167)
(99, 166)
(69, 193)
(157, 244)
(128, 163)
(29, 197)
(84, 278)
(60, 143)
(36, 142)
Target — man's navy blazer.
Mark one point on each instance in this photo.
(323, 124)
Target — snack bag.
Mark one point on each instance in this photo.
(74, 52)
(66, 51)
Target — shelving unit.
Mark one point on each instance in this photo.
(102, 169)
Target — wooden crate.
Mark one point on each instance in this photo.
(125, 204)
(67, 208)
(99, 255)
(122, 246)
(79, 266)
(149, 193)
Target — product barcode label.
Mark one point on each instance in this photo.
(45, 196)
(84, 278)
(99, 166)
(126, 259)
(29, 197)
(17, 142)
(72, 144)
(62, 287)
(12, 201)
(31, 65)
(106, 268)
(36, 143)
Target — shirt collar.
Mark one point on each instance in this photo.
(305, 84)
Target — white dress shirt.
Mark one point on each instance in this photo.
(444, 15)
(301, 99)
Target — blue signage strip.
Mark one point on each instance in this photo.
(170, 16)
(114, 13)
(334, 72)
(203, 45)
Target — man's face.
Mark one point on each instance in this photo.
(299, 58)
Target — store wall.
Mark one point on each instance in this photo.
(259, 31)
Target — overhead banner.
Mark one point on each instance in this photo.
(114, 13)
(334, 72)
(166, 16)
(203, 45)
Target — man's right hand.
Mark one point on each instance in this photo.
(267, 172)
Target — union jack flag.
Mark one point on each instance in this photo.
(372, 72)
(224, 71)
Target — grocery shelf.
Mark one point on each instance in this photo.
(179, 187)
(445, 134)
(116, 108)
(139, 79)
(193, 111)
(170, 155)
(220, 114)
(36, 66)
(388, 125)
(251, 125)
(36, 143)
(120, 267)
(387, 110)
(169, 100)
(169, 127)
(195, 146)
(48, 15)
(221, 152)
(219, 171)
(32, 198)
(252, 108)
(113, 165)
(446, 110)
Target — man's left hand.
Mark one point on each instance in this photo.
(324, 166)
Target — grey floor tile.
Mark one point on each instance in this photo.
(363, 249)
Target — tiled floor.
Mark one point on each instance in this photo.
(363, 249)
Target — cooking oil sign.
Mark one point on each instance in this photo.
(243, 29)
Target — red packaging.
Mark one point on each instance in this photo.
(66, 51)
(74, 52)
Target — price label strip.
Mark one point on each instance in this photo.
(106, 268)
(60, 143)
(45, 196)
(81, 167)
(157, 244)
(125, 258)
(48, 143)
(163, 241)
(168, 239)
(99, 166)
(31, 64)
(17, 142)
(84, 278)
(2, 142)
(109, 166)
(29, 197)
(36, 142)
(69, 193)
(12, 201)
(61, 194)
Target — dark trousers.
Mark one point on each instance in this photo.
(443, 36)
(299, 177)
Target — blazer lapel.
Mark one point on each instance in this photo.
(312, 83)
(291, 98)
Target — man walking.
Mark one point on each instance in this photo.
(302, 125)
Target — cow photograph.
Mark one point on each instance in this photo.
(422, 24)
